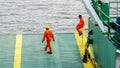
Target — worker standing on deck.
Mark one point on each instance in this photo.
(49, 36)
(80, 25)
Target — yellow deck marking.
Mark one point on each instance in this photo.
(81, 40)
(17, 55)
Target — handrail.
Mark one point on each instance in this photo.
(98, 20)
(110, 20)
(94, 15)
(108, 24)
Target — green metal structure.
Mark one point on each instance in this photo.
(105, 44)
(104, 51)
(102, 9)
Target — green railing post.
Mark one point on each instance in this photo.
(108, 28)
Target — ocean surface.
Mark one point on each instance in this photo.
(31, 16)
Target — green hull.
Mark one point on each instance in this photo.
(104, 50)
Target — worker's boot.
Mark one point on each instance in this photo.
(49, 52)
(80, 34)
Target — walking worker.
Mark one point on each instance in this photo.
(48, 36)
(80, 25)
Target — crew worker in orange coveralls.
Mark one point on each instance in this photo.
(49, 36)
(80, 25)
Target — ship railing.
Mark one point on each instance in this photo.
(103, 11)
(113, 33)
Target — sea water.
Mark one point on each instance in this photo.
(31, 16)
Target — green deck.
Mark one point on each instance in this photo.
(7, 47)
(65, 52)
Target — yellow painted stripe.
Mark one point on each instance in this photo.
(81, 42)
(18, 51)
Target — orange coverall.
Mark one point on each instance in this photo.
(48, 35)
(80, 26)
